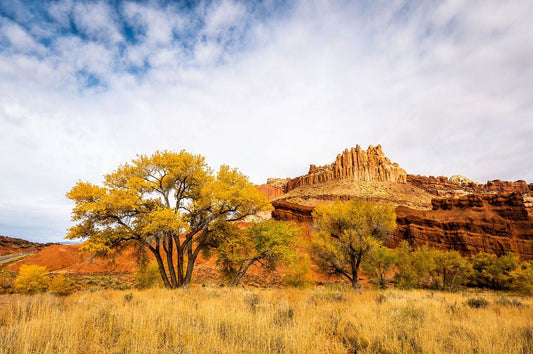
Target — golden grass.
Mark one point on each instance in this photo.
(209, 320)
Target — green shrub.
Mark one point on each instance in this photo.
(379, 263)
(451, 269)
(491, 271)
(32, 279)
(504, 301)
(414, 267)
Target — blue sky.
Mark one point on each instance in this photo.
(269, 87)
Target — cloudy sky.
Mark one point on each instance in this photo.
(445, 86)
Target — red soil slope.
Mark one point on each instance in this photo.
(67, 258)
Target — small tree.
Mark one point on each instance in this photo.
(416, 268)
(268, 243)
(32, 279)
(348, 231)
(379, 263)
(492, 271)
(450, 269)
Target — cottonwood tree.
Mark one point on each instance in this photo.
(450, 269)
(379, 263)
(267, 244)
(348, 231)
(166, 203)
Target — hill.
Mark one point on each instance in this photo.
(10, 245)
(447, 213)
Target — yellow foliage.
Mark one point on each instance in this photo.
(155, 200)
(348, 231)
(61, 285)
(31, 279)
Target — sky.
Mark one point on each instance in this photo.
(446, 87)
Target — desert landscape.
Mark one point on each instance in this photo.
(458, 266)
(236, 176)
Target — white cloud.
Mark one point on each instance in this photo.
(445, 88)
(223, 15)
(96, 21)
(19, 39)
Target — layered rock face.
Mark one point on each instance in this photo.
(447, 213)
(270, 191)
(356, 164)
(292, 212)
(457, 185)
(494, 223)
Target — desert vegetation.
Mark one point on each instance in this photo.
(228, 320)
(173, 210)
(169, 204)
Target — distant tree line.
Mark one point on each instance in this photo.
(351, 236)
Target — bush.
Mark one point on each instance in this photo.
(32, 279)
(522, 278)
(378, 264)
(414, 267)
(477, 302)
(451, 269)
(6, 281)
(491, 271)
(148, 276)
(61, 285)
(298, 273)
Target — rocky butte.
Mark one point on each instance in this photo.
(354, 164)
(447, 213)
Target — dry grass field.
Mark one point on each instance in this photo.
(222, 320)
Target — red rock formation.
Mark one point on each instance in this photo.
(292, 212)
(271, 192)
(493, 223)
(356, 164)
(444, 186)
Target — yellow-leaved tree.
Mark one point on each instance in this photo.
(347, 232)
(166, 203)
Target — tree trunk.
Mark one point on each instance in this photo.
(188, 273)
(169, 249)
(355, 263)
(161, 266)
(191, 256)
(179, 263)
(240, 274)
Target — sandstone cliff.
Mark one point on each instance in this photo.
(354, 164)
(459, 185)
(468, 216)
(270, 191)
(494, 223)
(292, 212)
